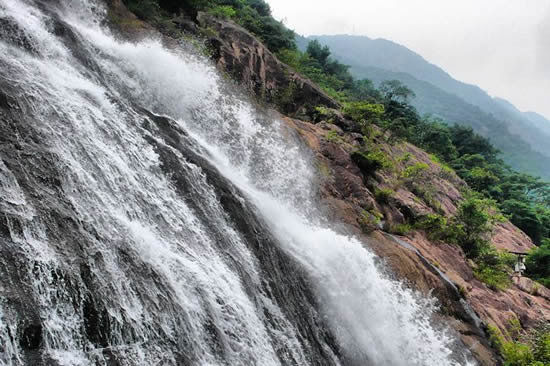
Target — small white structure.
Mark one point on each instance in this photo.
(520, 263)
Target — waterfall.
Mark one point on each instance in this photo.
(151, 215)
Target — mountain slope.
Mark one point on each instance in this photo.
(441, 104)
(522, 137)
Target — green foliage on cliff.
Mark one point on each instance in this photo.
(363, 111)
(538, 263)
(522, 198)
(371, 161)
(532, 349)
(470, 229)
(223, 12)
(254, 15)
(472, 223)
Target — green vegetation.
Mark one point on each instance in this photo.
(362, 111)
(532, 349)
(369, 221)
(254, 15)
(455, 102)
(538, 263)
(470, 229)
(471, 224)
(416, 171)
(400, 229)
(223, 12)
(383, 195)
(332, 136)
(494, 277)
(435, 225)
(370, 162)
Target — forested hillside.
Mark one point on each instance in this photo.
(522, 137)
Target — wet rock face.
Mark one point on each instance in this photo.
(240, 54)
(284, 280)
(31, 336)
(10, 31)
(24, 154)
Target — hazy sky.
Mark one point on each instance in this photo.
(503, 46)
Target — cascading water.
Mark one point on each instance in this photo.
(151, 217)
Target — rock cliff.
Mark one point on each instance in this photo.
(245, 58)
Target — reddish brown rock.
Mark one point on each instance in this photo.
(508, 237)
(425, 264)
(240, 54)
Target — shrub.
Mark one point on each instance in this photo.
(291, 57)
(517, 354)
(534, 351)
(372, 161)
(322, 113)
(447, 172)
(541, 344)
(470, 226)
(400, 229)
(368, 222)
(426, 192)
(493, 277)
(416, 171)
(223, 11)
(495, 337)
(434, 225)
(362, 111)
(332, 136)
(480, 179)
(405, 157)
(383, 195)
(284, 97)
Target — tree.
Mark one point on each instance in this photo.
(364, 90)
(394, 90)
(362, 111)
(318, 52)
(471, 224)
(261, 7)
(538, 263)
(435, 137)
(468, 142)
(523, 215)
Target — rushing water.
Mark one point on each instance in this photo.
(149, 216)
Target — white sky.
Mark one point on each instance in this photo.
(503, 46)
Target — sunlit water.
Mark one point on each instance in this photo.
(174, 272)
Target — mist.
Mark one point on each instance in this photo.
(502, 47)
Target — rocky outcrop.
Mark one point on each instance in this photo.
(248, 61)
(433, 268)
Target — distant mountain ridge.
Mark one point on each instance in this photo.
(521, 136)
